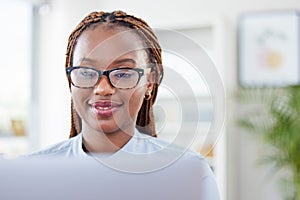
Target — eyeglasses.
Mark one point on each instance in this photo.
(86, 77)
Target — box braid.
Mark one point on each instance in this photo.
(145, 119)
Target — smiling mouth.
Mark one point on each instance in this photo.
(105, 108)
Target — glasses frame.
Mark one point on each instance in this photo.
(106, 73)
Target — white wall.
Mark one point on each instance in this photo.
(245, 180)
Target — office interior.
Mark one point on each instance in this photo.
(35, 98)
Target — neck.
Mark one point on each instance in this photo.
(99, 142)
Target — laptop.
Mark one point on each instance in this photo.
(96, 178)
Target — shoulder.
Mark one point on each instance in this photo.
(63, 148)
(153, 144)
(172, 146)
(183, 153)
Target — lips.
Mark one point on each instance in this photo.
(105, 108)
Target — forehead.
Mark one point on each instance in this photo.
(107, 43)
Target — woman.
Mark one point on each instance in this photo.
(114, 68)
(113, 65)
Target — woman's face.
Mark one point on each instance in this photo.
(104, 108)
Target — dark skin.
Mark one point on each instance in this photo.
(109, 114)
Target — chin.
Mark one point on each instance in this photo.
(114, 128)
(107, 128)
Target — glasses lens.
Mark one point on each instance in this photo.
(124, 78)
(84, 77)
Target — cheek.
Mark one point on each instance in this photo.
(78, 97)
(135, 99)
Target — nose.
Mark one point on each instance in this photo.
(104, 88)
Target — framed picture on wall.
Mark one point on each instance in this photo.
(268, 49)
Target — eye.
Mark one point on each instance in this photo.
(87, 73)
(123, 74)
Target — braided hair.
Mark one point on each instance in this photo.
(145, 119)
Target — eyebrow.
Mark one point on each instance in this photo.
(86, 59)
(124, 60)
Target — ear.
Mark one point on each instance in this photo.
(150, 80)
